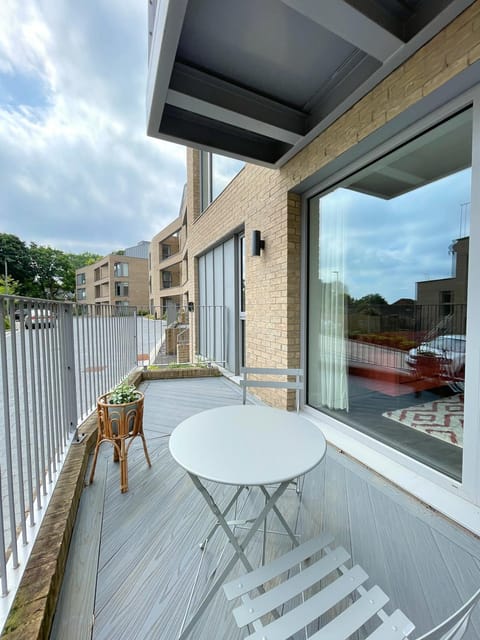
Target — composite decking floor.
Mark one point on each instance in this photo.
(135, 556)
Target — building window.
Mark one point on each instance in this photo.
(166, 279)
(121, 289)
(81, 279)
(386, 350)
(166, 251)
(216, 172)
(446, 299)
(120, 269)
(81, 294)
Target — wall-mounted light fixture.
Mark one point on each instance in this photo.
(257, 243)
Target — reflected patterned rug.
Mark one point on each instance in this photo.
(441, 419)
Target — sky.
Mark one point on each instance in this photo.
(375, 245)
(77, 170)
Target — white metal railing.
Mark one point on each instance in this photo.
(372, 354)
(56, 358)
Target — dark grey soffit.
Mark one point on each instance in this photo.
(260, 80)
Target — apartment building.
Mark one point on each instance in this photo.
(118, 280)
(168, 266)
(359, 127)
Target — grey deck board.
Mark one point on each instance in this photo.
(136, 576)
(78, 591)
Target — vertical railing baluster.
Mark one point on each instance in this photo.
(8, 440)
(18, 445)
(27, 423)
(70, 385)
(3, 557)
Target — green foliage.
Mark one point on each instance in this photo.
(54, 274)
(16, 254)
(369, 304)
(79, 260)
(38, 271)
(124, 392)
(9, 287)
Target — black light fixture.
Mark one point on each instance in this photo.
(257, 243)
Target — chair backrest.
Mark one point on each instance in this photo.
(296, 384)
(454, 627)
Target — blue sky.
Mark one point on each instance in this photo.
(390, 245)
(77, 171)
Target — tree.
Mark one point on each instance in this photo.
(9, 287)
(16, 254)
(54, 273)
(370, 303)
(80, 260)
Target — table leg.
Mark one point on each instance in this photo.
(224, 513)
(292, 536)
(239, 547)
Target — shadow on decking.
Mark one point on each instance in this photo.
(134, 556)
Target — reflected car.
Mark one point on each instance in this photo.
(39, 318)
(448, 352)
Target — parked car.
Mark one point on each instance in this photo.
(39, 318)
(21, 313)
(447, 353)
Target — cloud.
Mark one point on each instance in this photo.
(77, 171)
(390, 245)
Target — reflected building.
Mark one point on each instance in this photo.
(442, 303)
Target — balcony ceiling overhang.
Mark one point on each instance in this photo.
(258, 80)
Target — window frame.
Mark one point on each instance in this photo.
(449, 496)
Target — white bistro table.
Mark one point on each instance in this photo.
(245, 446)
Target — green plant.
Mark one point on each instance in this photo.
(123, 393)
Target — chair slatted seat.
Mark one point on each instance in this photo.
(279, 610)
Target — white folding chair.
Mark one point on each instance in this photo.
(296, 384)
(317, 561)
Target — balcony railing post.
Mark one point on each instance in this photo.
(69, 378)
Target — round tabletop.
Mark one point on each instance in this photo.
(247, 445)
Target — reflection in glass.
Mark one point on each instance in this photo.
(223, 171)
(388, 273)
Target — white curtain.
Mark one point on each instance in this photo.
(332, 339)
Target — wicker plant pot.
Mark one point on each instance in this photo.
(117, 424)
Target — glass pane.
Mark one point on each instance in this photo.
(223, 172)
(388, 296)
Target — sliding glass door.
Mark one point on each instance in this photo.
(387, 284)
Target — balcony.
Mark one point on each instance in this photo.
(133, 557)
(146, 541)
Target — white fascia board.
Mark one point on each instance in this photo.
(166, 35)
